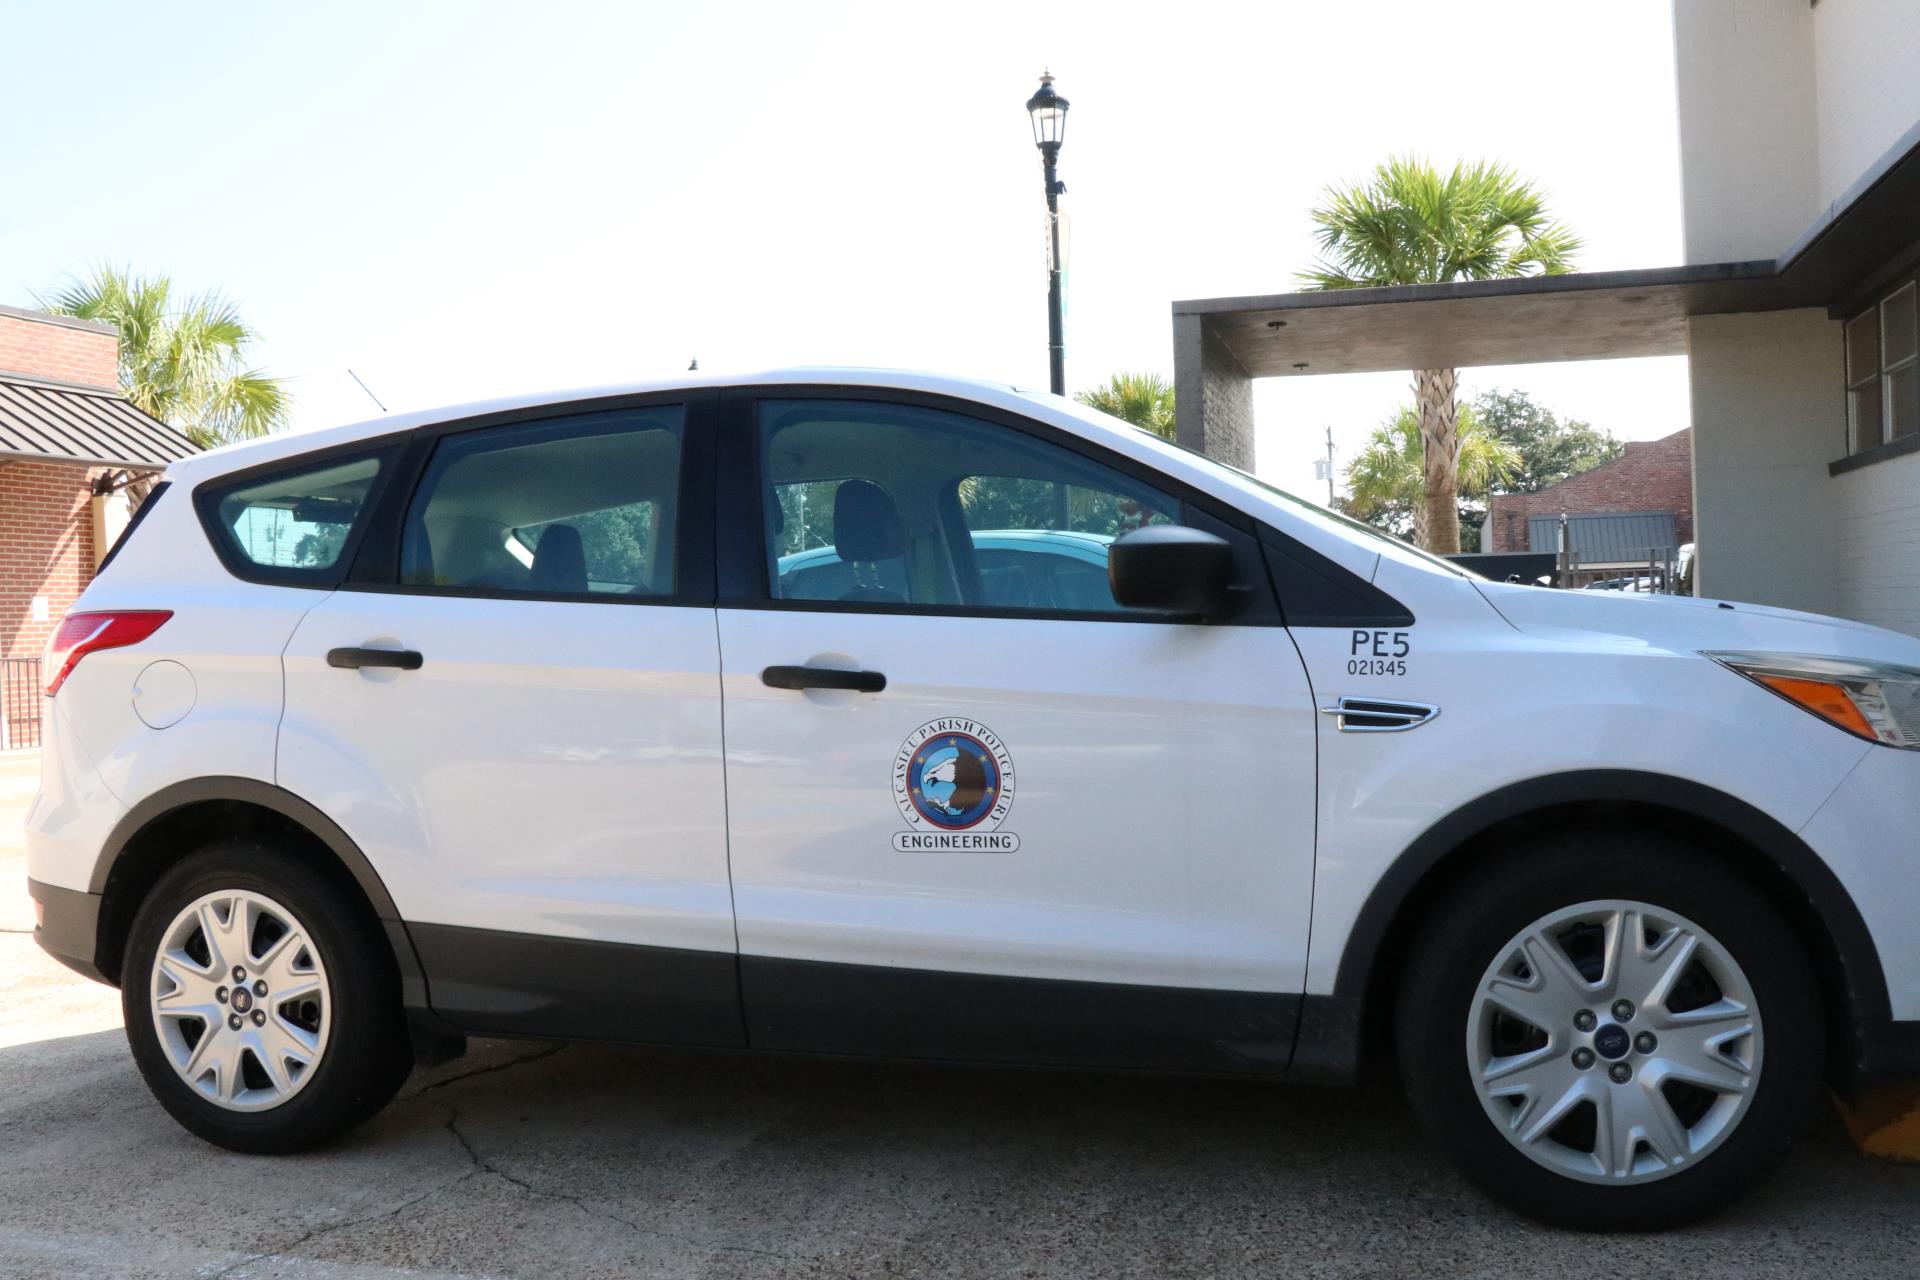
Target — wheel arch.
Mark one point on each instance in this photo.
(169, 824)
(1812, 898)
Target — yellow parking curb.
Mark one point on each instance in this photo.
(1885, 1123)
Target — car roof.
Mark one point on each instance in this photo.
(249, 453)
(1330, 534)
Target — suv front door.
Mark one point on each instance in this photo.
(1074, 835)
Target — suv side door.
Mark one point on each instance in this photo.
(968, 827)
(543, 795)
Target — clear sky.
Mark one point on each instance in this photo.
(459, 200)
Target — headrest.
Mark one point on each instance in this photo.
(560, 561)
(866, 524)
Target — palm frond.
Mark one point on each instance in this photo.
(1143, 399)
(1410, 224)
(183, 364)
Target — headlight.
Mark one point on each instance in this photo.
(1873, 700)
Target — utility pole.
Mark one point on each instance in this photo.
(1329, 467)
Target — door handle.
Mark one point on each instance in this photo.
(822, 678)
(354, 659)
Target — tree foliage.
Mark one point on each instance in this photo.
(1411, 224)
(183, 363)
(1386, 485)
(1144, 399)
(1549, 449)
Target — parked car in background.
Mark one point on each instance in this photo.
(853, 713)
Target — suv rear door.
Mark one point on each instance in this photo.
(543, 792)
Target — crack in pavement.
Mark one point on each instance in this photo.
(483, 1165)
(487, 1070)
(316, 1233)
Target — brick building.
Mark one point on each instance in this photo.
(71, 449)
(1653, 478)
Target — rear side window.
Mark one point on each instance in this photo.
(581, 506)
(296, 526)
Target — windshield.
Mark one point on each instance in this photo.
(1313, 510)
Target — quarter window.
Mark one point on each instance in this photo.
(897, 505)
(580, 506)
(294, 526)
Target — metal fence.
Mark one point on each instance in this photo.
(19, 703)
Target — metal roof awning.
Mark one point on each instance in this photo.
(1599, 315)
(1608, 538)
(48, 421)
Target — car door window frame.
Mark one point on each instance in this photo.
(376, 567)
(745, 576)
(388, 452)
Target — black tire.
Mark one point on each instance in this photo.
(1464, 934)
(367, 1055)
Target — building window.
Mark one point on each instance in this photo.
(1883, 371)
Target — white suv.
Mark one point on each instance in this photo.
(536, 718)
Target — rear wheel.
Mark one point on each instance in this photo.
(1611, 1033)
(260, 1001)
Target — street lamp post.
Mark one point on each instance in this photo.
(1048, 111)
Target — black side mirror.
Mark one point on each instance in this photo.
(1168, 568)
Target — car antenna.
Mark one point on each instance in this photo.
(369, 390)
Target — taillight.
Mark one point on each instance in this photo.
(80, 634)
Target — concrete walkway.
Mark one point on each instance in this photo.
(530, 1160)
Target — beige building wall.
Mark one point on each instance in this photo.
(1749, 152)
(1866, 86)
(1876, 528)
(1767, 419)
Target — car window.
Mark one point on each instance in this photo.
(578, 506)
(1039, 578)
(298, 520)
(899, 505)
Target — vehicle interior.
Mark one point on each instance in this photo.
(910, 499)
(552, 510)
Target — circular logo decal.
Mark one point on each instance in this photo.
(953, 775)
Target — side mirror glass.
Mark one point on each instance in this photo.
(1167, 568)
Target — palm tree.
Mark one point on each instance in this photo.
(1386, 484)
(1408, 224)
(185, 364)
(1144, 399)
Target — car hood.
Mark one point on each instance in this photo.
(1683, 624)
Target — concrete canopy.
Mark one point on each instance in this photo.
(1598, 316)
(1221, 344)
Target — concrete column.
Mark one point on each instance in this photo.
(1213, 406)
(1769, 414)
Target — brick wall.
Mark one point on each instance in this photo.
(46, 517)
(46, 548)
(1653, 475)
(53, 347)
(1213, 410)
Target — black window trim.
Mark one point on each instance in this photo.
(133, 522)
(376, 568)
(742, 558)
(1870, 301)
(385, 449)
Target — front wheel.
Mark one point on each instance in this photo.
(261, 1003)
(1611, 1033)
